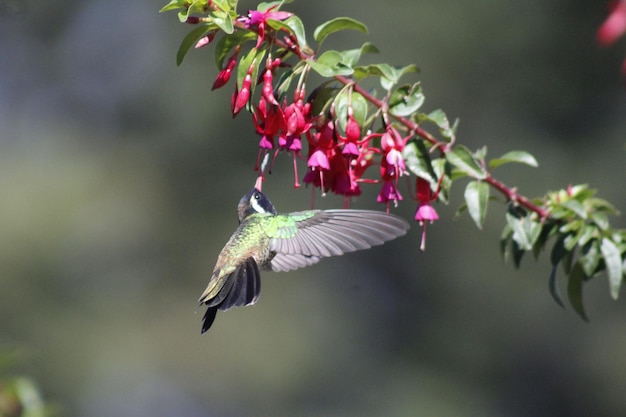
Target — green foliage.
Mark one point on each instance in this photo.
(572, 221)
(476, 198)
(336, 25)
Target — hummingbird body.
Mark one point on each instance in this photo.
(282, 242)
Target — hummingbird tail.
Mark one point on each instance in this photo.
(241, 288)
(208, 318)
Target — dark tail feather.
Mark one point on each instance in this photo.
(209, 317)
(240, 289)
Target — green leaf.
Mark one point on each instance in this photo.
(586, 234)
(253, 57)
(554, 288)
(546, 232)
(351, 57)
(173, 5)
(441, 120)
(477, 197)
(576, 207)
(266, 5)
(190, 40)
(223, 20)
(590, 258)
(525, 230)
(514, 156)
(460, 157)
(418, 160)
(613, 260)
(558, 251)
(406, 100)
(505, 237)
(293, 25)
(600, 219)
(343, 102)
(392, 75)
(599, 204)
(196, 7)
(330, 64)
(335, 25)
(297, 27)
(226, 44)
(575, 290)
(518, 254)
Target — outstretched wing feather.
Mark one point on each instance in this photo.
(285, 262)
(335, 232)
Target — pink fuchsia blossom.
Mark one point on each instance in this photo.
(614, 26)
(389, 192)
(392, 145)
(425, 213)
(259, 20)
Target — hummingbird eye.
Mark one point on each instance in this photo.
(256, 205)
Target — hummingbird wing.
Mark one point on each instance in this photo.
(303, 238)
(241, 288)
(286, 262)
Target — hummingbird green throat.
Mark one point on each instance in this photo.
(282, 242)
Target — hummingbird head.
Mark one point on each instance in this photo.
(254, 202)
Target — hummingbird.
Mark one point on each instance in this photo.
(266, 240)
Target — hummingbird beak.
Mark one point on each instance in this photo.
(259, 182)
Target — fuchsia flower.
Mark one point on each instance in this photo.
(614, 26)
(392, 144)
(425, 211)
(268, 123)
(389, 192)
(353, 134)
(259, 19)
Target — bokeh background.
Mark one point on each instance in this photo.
(119, 177)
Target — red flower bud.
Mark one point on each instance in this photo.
(244, 94)
(268, 87)
(353, 130)
(224, 75)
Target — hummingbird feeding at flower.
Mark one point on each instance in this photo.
(266, 240)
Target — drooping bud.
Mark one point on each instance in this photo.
(224, 75)
(244, 94)
(268, 87)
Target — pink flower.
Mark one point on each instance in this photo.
(389, 192)
(425, 213)
(259, 19)
(614, 26)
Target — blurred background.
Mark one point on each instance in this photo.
(119, 178)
